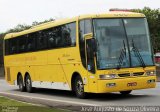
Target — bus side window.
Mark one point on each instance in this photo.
(13, 46)
(51, 38)
(31, 42)
(66, 40)
(71, 29)
(69, 35)
(7, 47)
(59, 41)
(62, 36)
(41, 40)
(21, 44)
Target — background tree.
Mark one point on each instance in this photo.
(21, 27)
(18, 28)
(38, 23)
(153, 17)
(1, 49)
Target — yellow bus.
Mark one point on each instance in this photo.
(96, 53)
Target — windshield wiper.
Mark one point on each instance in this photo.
(122, 55)
(137, 54)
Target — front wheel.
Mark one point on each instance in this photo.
(79, 88)
(125, 92)
(28, 84)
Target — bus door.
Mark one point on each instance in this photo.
(87, 56)
(90, 57)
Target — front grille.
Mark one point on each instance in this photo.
(129, 74)
(124, 75)
(138, 73)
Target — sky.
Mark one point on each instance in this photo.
(14, 12)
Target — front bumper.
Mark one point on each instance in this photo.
(132, 83)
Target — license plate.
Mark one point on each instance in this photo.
(132, 84)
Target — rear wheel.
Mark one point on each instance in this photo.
(28, 84)
(21, 84)
(79, 88)
(125, 92)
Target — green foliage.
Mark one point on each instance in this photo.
(18, 28)
(153, 17)
(38, 23)
(21, 27)
(9, 105)
(1, 48)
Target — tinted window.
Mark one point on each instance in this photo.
(56, 37)
(13, 46)
(6, 47)
(69, 34)
(31, 42)
(51, 38)
(72, 29)
(66, 37)
(62, 36)
(21, 44)
(41, 40)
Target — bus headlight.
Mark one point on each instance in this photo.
(150, 73)
(109, 76)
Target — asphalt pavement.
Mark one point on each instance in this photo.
(67, 100)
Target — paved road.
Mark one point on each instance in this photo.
(67, 100)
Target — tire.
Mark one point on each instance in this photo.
(21, 84)
(79, 88)
(125, 92)
(28, 84)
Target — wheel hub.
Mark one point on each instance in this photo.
(79, 87)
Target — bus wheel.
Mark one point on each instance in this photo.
(21, 84)
(28, 84)
(79, 88)
(125, 92)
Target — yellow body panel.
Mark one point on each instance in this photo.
(58, 65)
(100, 86)
(122, 84)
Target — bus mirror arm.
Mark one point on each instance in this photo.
(88, 36)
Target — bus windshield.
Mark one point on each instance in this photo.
(122, 43)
